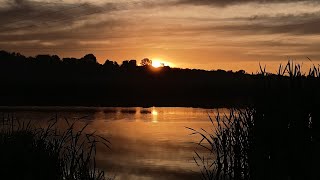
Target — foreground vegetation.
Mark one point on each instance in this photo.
(37, 153)
(278, 137)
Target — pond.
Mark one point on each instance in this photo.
(146, 143)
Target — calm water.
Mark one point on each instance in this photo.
(147, 143)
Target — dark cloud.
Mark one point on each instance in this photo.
(234, 2)
(294, 24)
(24, 14)
(35, 25)
(307, 24)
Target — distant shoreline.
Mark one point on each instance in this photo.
(87, 108)
(47, 80)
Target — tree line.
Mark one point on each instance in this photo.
(51, 80)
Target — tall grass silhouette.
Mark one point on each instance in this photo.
(278, 137)
(228, 145)
(30, 152)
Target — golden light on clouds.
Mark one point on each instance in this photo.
(190, 33)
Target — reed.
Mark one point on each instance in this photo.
(277, 137)
(30, 152)
(228, 144)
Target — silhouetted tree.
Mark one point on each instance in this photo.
(47, 59)
(108, 64)
(125, 64)
(146, 62)
(116, 64)
(132, 63)
(241, 72)
(56, 58)
(90, 58)
(70, 61)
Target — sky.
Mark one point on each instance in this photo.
(204, 34)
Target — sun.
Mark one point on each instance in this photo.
(157, 63)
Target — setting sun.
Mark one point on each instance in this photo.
(157, 63)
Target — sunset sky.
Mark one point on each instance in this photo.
(206, 34)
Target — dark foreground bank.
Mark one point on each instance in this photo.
(32, 152)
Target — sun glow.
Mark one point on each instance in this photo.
(157, 63)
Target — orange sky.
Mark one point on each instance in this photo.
(205, 34)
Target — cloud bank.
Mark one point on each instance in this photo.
(213, 30)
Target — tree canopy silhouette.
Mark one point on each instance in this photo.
(146, 62)
(50, 80)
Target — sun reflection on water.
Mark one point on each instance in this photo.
(154, 113)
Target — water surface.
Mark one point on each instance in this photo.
(147, 143)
